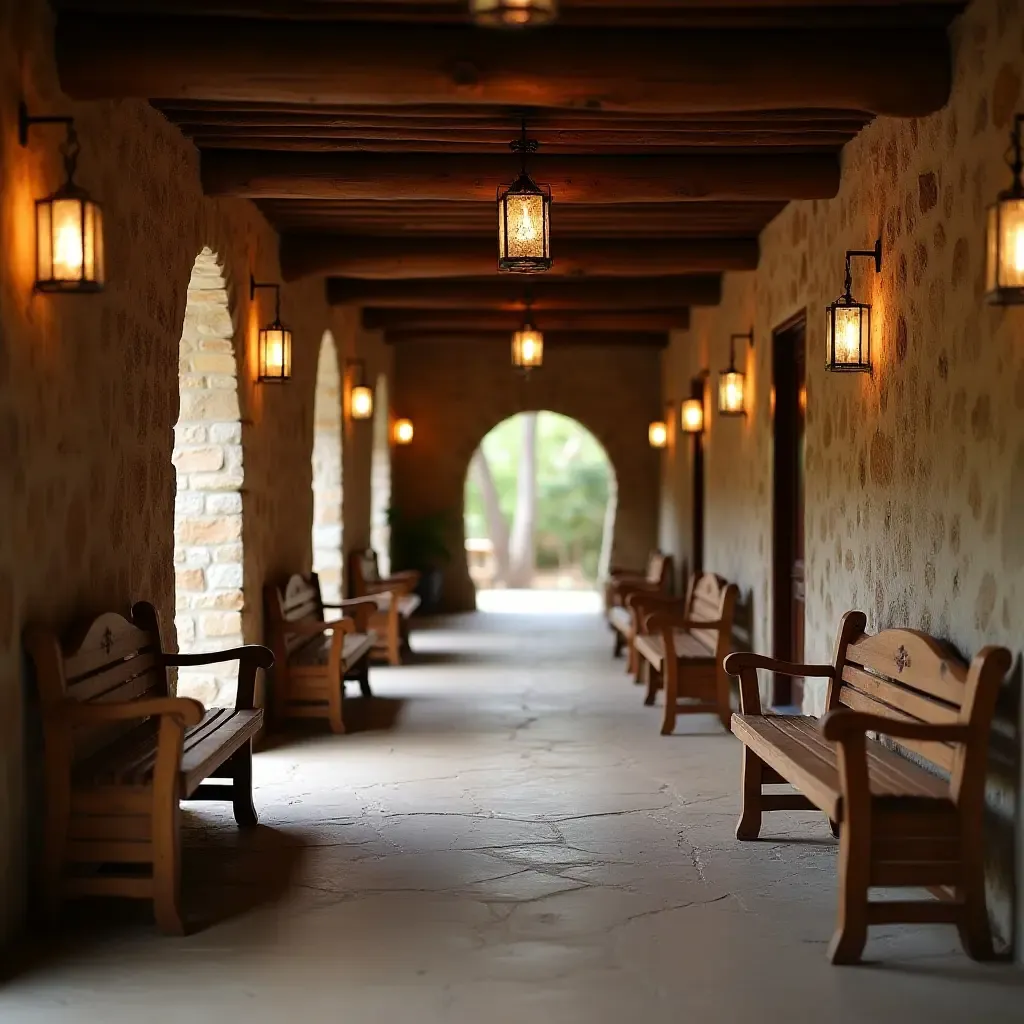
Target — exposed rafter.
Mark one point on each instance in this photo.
(461, 320)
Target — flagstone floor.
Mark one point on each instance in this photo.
(505, 839)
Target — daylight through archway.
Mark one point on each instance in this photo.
(327, 473)
(380, 477)
(539, 515)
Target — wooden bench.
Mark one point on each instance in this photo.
(396, 601)
(121, 752)
(684, 648)
(315, 655)
(621, 583)
(899, 824)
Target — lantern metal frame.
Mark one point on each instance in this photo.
(697, 394)
(355, 373)
(524, 185)
(502, 13)
(90, 212)
(997, 294)
(264, 336)
(731, 371)
(846, 301)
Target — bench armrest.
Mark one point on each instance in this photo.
(361, 610)
(250, 658)
(662, 620)
(842, 724)
(744, 665)
(187, 710)
(300, 628)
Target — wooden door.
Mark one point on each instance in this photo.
(789, 361)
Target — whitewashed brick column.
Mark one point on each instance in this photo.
(327, 473)
(380, 477)
(208, 503)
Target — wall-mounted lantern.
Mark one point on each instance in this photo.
(731, 382)
(1004, 265)
(69, 224)
(848, 322)
(524, 219)
(691, 411)
(275, 340)
(657, 434)
(403, 431)
(513, 13)
(360, 396)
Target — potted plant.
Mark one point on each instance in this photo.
(420, 543)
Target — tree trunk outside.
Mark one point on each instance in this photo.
(497, 527)
(608, 533)
(522, 544)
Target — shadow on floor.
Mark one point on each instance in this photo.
(361, 714)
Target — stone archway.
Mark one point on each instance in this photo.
(327, 473)
(380, 477)
(207, 457)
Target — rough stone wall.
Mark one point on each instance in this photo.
(914, 490)
(455, 392)
(89, 395)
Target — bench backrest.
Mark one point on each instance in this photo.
(297, 600)
(709, 598)
(659, 569)
(363, 569)
(110, 659)
(910, 676)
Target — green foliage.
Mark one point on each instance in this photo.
(419, 542)
(573, 487)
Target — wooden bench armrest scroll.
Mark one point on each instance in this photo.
(250, 658)
(185, 709)
(744, 665)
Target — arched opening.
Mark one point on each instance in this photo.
(327, 473)
(207, 459)
(380, 477)
(540, 503)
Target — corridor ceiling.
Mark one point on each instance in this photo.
(374, 136)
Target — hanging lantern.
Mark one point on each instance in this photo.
(513, 13)
(403, 431)
(69, 224)
(848, 323)
(360, 401)
(732, 383)
(691, 416)
(524, 219)
(527, 347)
(1004, 266)
(275, 341)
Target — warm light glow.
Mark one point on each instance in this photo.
(730, 393)
(69, 244)
(513, 13)
(527, 227)
(1005, 264)
(275, 353)
(362, 402)
(692, 415)
(657, 434)
(851, 349)
(403, 431)
(527, 348)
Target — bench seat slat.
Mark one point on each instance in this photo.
(621, 619)
(651, 646)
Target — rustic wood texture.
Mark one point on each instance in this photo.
(501, 320)
(394, 598)
(552, 339)
(122, 752)
(899, 824)
(621, 586)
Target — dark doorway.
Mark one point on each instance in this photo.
(697, 391)
(789, 365)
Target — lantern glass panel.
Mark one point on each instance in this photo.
(848, 336)
(730, 393)
(1004, 271)
(362, 402)
(524, 228)
(528, 348)
(275, 353)
(69, 244)
(692, 416)
(657, 434)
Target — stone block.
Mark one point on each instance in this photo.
(202, 404)
(217, 623)
(223, 503)
(226, 433)
(188, 503)
(229, 480)
(189, 433)
(224, 575)
(218, 600)
(213, 362)
(215, 345)
(215, 530)
(227, 553)
(185, 627)
(205, 459)
(189, 580)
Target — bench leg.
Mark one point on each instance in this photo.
(394, 647)
(653, 685)
(854, 876)
(669, 683)
(364, 677)
(241, 772)
(749, 825)
(620, 643)
(973, 926)
(167, 871)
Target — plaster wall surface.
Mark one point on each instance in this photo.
(914, 475)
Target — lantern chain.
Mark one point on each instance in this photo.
(69, 150)
(1015, 155)
(523, 145)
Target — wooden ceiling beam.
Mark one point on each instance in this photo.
(433, 320)
(507, 292)
(455, 256)
(556, 339)
(897, 72)
(476, 177)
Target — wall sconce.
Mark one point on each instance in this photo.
(657, 434)
(275, 340)
(848, 322)
(691, 412)
(360, 402)
(69, 224)
(732, 383)
(1004, 265)
(403, 431)
(527, 344)
(513, 13)
(524, 219)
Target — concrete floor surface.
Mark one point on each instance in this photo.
(507, 839)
